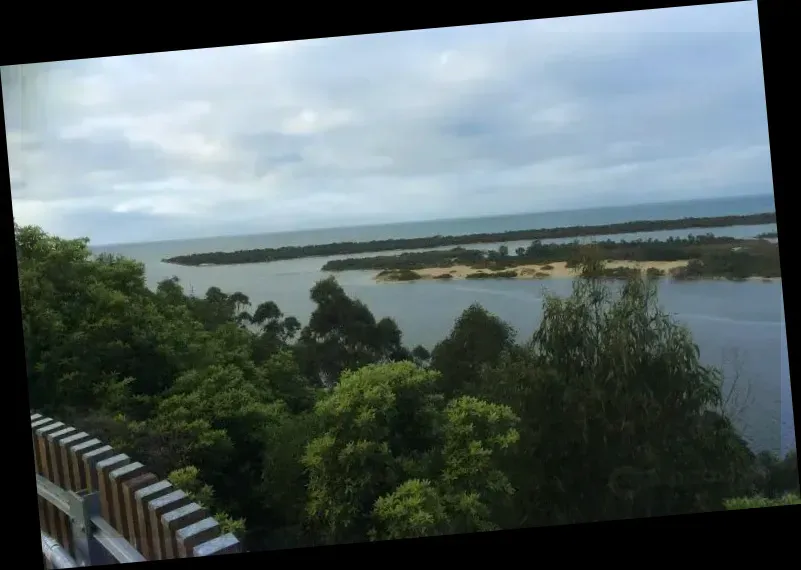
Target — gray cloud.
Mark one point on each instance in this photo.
(523, 116)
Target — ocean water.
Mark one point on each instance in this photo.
(738, 326)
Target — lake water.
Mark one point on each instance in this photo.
(738, 326)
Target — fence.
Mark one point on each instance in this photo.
(98, 506)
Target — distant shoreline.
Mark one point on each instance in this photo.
(266, 255)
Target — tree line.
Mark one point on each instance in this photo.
(349, 248)
(335, 431)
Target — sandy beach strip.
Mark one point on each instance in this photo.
(555, 270)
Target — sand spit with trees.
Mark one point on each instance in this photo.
(558, 270)
(691, 258)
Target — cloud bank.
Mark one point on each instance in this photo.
(517, 117)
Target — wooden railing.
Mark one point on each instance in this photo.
(98, 506)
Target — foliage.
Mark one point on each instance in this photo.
(737, 263)
(634, 433)
(493, 275)
(393, 447)
(188, 480)
(478, 338)
(343, 334)
(774, 476)
(759, 502)
(335, 431)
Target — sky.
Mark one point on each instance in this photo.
(538, 115)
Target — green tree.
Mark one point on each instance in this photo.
(774, 476)
(239, 407)
(389, 439)
(276, 331)
(217, 309)
(91, 324)
(619, 417)
(343, 334)
(420, 355)
(477, 339)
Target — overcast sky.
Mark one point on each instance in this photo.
(517, 117)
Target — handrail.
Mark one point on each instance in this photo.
(53, 494)
(55, 554)
(112, 542)
(103, 507)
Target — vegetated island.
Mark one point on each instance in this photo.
(695, 257)
(349, 248)
(768, 235)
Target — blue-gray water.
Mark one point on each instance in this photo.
(738, 326)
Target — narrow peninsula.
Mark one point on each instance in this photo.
(695, 257)
(351, 248)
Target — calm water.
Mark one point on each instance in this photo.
(738, 326)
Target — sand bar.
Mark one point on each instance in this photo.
(556, 270)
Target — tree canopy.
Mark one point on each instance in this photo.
(335, 431)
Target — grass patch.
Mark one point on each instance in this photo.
(759, 502)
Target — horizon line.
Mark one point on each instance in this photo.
(432, 220)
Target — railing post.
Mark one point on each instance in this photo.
(83, 506)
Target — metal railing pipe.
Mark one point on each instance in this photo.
(114, 544)
(55, 554)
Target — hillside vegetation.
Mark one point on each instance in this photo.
(335, 431)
